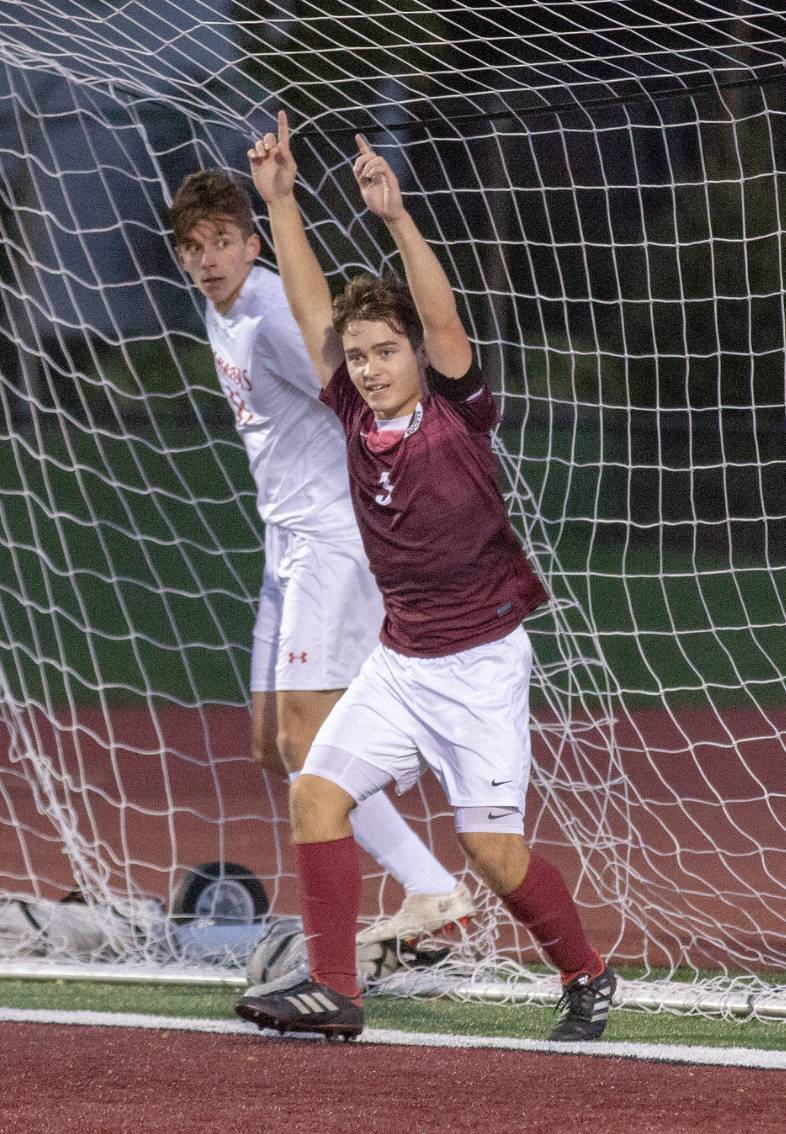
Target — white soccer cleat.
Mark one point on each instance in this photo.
(419, 914)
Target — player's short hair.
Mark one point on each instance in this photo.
(206, 195)
(375, 298)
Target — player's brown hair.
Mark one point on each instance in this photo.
(374, 298)
(206, 195)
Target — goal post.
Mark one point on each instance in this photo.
(609, 205)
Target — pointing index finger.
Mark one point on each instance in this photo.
(283, 129)
(362, 144)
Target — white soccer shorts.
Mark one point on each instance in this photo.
(319, 613)
(465, 716)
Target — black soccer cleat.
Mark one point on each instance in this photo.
(304, 1007)
(584, 1008)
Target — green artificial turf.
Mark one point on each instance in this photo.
(442, 1016)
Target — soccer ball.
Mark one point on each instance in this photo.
(377, 961)
(281, 952)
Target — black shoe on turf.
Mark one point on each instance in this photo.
(584, 1008)
(304, 1007)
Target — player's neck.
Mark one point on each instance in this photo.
(224, 308)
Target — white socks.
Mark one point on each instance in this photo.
(380, 830)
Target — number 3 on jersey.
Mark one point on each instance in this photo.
(386, 496)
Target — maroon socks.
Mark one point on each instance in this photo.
(543, 903)
(329, 877)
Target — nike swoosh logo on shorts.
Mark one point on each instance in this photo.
(499, 783)
(499, 814)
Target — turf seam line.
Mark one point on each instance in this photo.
(660, 1053)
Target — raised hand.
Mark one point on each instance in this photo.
(378, 183)
(272, 166)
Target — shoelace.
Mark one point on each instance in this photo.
(576, 1000)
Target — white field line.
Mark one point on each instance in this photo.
(659, 1053)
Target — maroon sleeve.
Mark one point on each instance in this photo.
(342, 397)
(469, 397)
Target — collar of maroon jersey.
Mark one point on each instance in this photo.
(384, 435)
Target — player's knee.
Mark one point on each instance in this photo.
(296, 728)
(488, 858)
(292, 746)
(264, 750)
(319, 809)
(500, 859)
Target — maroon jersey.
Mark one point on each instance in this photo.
(434, 525)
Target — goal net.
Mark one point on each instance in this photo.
(605, 185)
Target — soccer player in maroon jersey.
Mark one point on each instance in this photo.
(447, 687)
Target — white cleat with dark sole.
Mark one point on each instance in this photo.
(421, 914)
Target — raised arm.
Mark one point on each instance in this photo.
(444, 337)
(273, 169)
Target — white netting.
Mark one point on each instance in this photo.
(606, 181)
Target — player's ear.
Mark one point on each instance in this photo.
(253, 247)
(422, 356)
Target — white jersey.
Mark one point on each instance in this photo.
(295, 444)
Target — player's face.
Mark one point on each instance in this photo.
(218, 257)
(384, 366)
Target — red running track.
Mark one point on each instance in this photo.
(79, 1080)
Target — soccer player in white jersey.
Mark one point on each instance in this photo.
(319, 607)
(448, 684)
